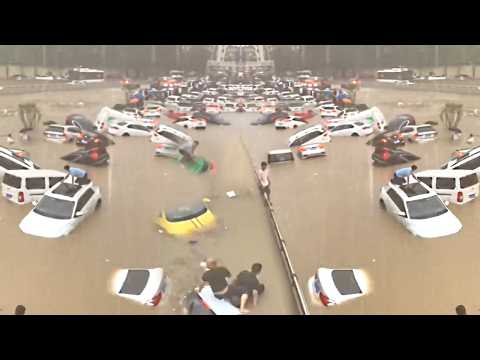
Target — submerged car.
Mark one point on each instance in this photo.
(336, 286)
(311, 151)
(144, 286)
(95, 156)
(186, 220)
(204, 302)
(419, 209)
(292, 122)
(419, 133)
(62, 209)
(385, 156)
(387, 139)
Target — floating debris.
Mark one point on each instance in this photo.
(231, 194)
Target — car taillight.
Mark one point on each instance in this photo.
(300, 149)
(383, 141)
(459, 196)
(205, 305)
(324, 299)
(21, 197)
(160, 146)
(94, 155)
(386, 155)
(156, 299)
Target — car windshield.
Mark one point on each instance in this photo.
(55, 208)
(186, 213)
(135, 282)
(345, 282)
(425, 129)
(426, 208)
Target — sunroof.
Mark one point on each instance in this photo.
(414, 189)
(66, 189)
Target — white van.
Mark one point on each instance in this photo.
(313, 135)
(455, 186)
(25, 186)
(167, 135)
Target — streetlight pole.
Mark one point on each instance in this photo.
(44, 55)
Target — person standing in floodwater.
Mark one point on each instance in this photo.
(263, 177)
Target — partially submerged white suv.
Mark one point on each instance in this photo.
(62, 209)
(419, 209)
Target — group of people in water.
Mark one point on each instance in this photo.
(238, 291)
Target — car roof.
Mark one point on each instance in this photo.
(445, 173)
(67, 191)
(10, 154)
(36, 173)
(413, 191)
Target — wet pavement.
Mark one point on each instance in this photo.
(327, 208)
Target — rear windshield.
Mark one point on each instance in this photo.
(345, 282)
(135, 282)
(465, 182)
(288, 156)
(186, 213)
(12, 180)
(55, 129)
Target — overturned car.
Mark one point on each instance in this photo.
(94, 156)
(386, 156)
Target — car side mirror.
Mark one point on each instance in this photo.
(79, 213)
(402, 214)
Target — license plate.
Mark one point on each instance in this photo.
(472, 196)
(9, 196)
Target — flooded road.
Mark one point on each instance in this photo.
(327, 208)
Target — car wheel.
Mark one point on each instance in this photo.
(185, 126)
(98, 204)
(126, 134)
(382, 205)
(354, 134)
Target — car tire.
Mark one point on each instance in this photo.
(98, 204)
(355, 134)
(126, 134)
(382, 205)
(185, 126)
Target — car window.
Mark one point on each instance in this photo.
(8, 164)
(468, 180)
(35, 183)
(445, 183)
(186, 213)
(426, 208)
(306, 138)
(397, 200)
(54, 208)
(74, 130)
(135, 282)
(171, 136)
(12, 180)
(470, 164)
(54, 180)
(84, 199)
(426, 180)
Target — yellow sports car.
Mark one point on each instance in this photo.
(186, 220)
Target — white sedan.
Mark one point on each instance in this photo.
(189, 122)
(62, 209)
(335, 286)
(125, 128)
(329, 110)
(419, 209)
(351, 129)
(144, 286)
(292, 122)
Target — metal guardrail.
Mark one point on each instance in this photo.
(282, 246)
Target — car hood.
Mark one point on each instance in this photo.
(443, 225)
(38, 225)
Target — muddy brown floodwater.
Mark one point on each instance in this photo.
(327, 208)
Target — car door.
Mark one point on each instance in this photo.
(137, 130)
(84, 204)
(397, 206)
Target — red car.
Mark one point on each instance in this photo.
(174, 115)
(304, 115)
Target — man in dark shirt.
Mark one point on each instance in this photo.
(245, 286)
(216, 276)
